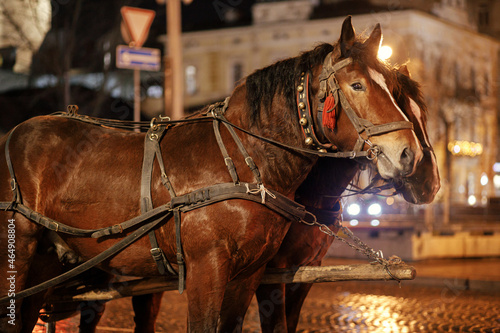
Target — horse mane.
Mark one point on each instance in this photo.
(409, 87)
(281, 78)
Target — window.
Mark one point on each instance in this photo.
(237, 73)
(483, 16)
(191, 84)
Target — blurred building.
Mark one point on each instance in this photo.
(442, 41)
(23, 26)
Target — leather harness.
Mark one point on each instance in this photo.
(153, 217)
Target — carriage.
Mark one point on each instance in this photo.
(223, 200)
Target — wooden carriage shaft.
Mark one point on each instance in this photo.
(306, 274)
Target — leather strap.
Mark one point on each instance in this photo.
(16, 193)
(365, 129)
(151, 149)
(217, 112)
(117, 247)
(179, 253)
(227, 159)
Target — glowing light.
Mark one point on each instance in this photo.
(354, 222)
(484, 179)
(385, 52)
(353, 209)
(471, 200)
(375, 209)
(375, 223)
(465, 148)
(389, 201)
(496, 181)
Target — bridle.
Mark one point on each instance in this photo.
(330, 86)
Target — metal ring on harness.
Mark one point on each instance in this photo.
(373, 152)
(314, 222)
(152, 124)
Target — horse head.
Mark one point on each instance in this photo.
(423, 185)
(356, 108)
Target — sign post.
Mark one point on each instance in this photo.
(174, 32)
(174, 69)
(135, 30)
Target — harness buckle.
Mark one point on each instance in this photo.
(156, 253)
(117, 229)
(53, 226)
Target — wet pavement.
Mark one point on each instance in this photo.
(447, 296)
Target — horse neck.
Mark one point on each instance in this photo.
(326, 182)
(282, 170)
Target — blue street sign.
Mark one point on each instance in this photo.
(143, 58)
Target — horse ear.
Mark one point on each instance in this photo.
(404, 70)
(373, 42)
(347, 36)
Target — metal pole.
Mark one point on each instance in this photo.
(175, 54)
(137, 97)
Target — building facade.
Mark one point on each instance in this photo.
(23, 26)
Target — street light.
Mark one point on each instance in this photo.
(384, 52)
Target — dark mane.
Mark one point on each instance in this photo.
(281, 78)
(410, 88)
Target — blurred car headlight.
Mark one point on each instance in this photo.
(375, 209)
(353, 209)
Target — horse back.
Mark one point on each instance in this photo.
(63, 164)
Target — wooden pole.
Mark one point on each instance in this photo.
(174, 31)
(306, 274)
(137, 97)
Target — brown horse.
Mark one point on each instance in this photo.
(320, 193)
(87, 176)
(280, 305)
(304, 245)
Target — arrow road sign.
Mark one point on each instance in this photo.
(138, 58)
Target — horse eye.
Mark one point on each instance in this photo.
(357, 86)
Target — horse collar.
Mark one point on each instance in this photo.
(304, 108)
(305, 115)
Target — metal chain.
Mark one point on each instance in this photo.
(359, 246)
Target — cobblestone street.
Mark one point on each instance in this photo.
(346, 307)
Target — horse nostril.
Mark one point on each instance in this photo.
(407, 160)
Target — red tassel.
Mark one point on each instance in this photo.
(329, 113)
